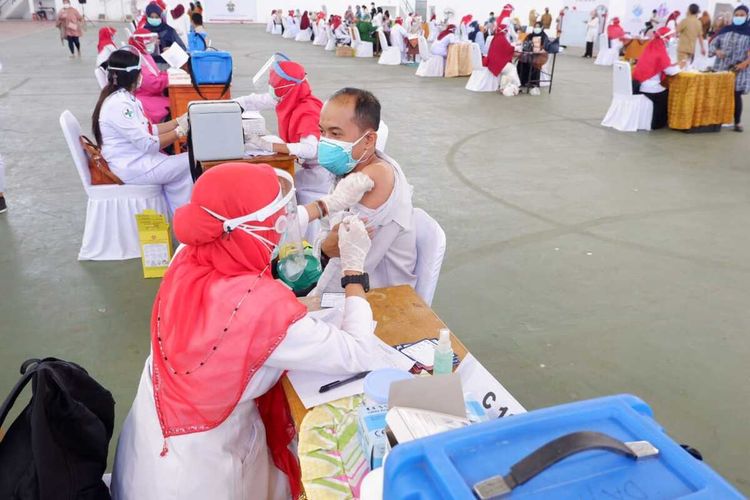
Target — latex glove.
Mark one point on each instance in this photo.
(260, 143)
(348, 192)
(354, 243)
(183, 124)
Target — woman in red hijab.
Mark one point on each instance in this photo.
(500, 52)
(210, 419)
(444, 39)
(106, 44)
(652, 67)
(298, 116)
(154, 82)
(304, 23)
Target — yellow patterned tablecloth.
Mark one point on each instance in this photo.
(701, 99)
(332, 461)
(459, 61)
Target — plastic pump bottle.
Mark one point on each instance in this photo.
(443, 364)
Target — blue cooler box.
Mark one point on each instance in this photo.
(449, 465)
(211, 67)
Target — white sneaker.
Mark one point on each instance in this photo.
(535, 91)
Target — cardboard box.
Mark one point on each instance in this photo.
(344, 51)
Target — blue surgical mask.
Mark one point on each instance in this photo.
(537, 31)
(153, 21)
(739, 20)
(336, 156)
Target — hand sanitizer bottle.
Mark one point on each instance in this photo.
(443, 364)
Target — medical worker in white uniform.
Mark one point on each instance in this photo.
(130, 144)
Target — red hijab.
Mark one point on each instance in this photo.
(504, 14)
(451, 28)
(298, 112)
(136, 40)
(500, 53)
(305, 21)
(336, 22)
(654, 59)
(105, 37)
(467, 19)
(200, 329)
(177, 11)
(614, 30)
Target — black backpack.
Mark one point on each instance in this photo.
(57, 447)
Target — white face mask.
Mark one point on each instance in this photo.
(241, 223)
(537, 31)
(140, 82)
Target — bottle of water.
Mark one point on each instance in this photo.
(443, 364)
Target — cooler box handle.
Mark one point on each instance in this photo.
(555, 451)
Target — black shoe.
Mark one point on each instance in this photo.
(3, 205)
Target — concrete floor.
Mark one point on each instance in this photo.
(581, 261)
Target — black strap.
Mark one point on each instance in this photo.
(561, 448)
(28, 369)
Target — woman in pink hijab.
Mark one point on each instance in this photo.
(151, 92)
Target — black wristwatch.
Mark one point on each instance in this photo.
(363, 279)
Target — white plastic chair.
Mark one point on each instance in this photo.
(321, 36)
(331, 43)
(628, 112)
(482, 80)
(101, 76)
(303, 36)
(476, 56)
(110, 232)
(431, 66)
(606, 56)
(382, 140)
(390, 56)
(361, 48)
(430, 253)
(276, 29)
(290, 29)
(269, 26)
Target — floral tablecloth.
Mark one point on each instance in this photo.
(332, 461)
(701, 99)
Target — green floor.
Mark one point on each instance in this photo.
(581, 261)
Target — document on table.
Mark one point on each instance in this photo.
(175, 56)
(307, 384)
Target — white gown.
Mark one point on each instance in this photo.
(131, 148)
(231, 461)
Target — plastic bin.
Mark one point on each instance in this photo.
(448, 465)
(211, 67)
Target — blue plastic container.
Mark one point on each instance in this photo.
(211, 66)
(448, 465)
(196, 41)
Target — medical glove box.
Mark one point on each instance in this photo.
(216, 130)
(451, 464)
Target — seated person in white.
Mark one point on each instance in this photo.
(476, 35)
(341, 31)
(649, 72)
(106, 44)
(298, 115)
(372, 185)
(130, 144)
(444, 39)
(398, 38)
(210, 420)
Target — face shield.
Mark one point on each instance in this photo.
(260, 80)
(290, 250)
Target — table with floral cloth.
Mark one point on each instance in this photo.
(700, 99)
(332, 461)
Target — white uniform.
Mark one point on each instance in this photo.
(440, 47)
(131, 147)
(592, 29)
(231, 461)
(398, 35)
(392, 259)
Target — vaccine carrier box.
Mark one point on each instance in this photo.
(603, 448)
(216, 130)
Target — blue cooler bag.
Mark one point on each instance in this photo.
(606, 448)
(211, 67)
